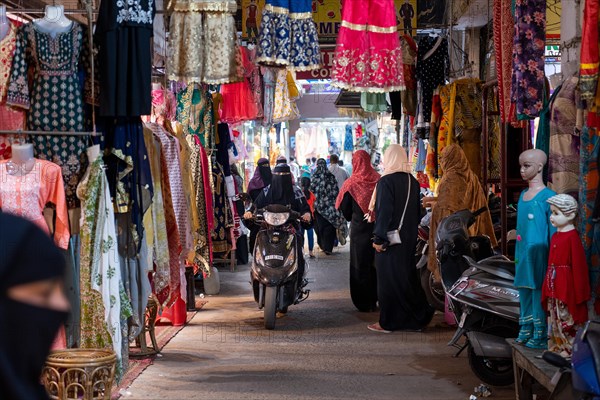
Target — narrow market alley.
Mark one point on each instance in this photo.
(320, 350)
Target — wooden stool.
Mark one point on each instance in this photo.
(79, 374)
(149, 324)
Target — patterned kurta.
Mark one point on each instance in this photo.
(10, 118)
(55, 100)
(103, 297)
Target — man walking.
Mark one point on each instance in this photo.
(340, 173)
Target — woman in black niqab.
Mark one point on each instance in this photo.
(32, 306)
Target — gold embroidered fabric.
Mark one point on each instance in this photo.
(223, 64)
(186, 59)
(7, 48)
(227, 6)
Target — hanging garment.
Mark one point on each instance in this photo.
(252, 73)
(54, 101)
(101, 287)
(156, 228)
(27, 196)
(222, 63)
(223, 220)
(504, 33)
(123, 35)
(368, 56)
(563, 160)
(433, 66)
(288, 35)
(409, 61)
(590, 54)
(269, 79)
(284, 108)
(195, 114)
(431, 161)
(494, 134)
(373, 102)
(186, 32)
(10, 118)
(527, 89)
(238, 103)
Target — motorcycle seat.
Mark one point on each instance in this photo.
(593, 339)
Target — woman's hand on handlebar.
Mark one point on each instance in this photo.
(248, 215)
(306, 217)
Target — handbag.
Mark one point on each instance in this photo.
(393, 237)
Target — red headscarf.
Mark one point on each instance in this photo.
(361, 183)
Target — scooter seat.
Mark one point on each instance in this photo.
(499, 266)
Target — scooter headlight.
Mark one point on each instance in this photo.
(276, 219)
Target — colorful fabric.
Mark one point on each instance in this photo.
(55, 100)
(561, 328)
(588, 192)
(368, 56)
(532, 316)
(433, 67)
(10, 118)
(590, 54)
(567, 278)
(195, 113)
(288, 36)
(324, 185)
(504, 33)
(27, 195)
(409, 61)
(361, 183)
(238, 103)
(563, 152)
(223, 218)
(527, 91)
(284, 108)
(101, 286)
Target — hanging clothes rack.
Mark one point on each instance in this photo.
(66, 11)
(48, 133)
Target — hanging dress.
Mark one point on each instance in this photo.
(368, 56)
(288, 36)
(103, 297)
(238, 103)
(55, 100)
(10, 118)
(284, 108)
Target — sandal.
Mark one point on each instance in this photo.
(377, 328)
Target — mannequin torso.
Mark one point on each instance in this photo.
(22, 161)
(4, 24)
(54, 21)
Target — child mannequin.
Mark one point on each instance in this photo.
(566, 288)
(531, 253)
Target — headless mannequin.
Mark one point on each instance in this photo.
(22, 161)
(532, 165)
(4, 24)
(54, 21)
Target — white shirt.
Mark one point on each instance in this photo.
(340, 174)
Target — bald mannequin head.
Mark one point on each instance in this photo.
(532, 165)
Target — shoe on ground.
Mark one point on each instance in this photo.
(311, 255)
(377, 328)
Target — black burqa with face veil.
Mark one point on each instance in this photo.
(27, 255)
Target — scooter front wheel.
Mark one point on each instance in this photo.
(270, 309)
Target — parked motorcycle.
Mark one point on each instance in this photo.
(274, 272)
(578, 378)
(481, 294)
(434, 291)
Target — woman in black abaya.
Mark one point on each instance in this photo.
(261, 179)
(402, 302)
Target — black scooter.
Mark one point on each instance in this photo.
(579, 377)
(274, 270)
(481, 294)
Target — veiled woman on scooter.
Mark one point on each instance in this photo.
(459, 189)
(283, 192)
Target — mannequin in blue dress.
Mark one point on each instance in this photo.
(531, 254)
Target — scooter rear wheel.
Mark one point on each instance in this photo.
(270, 309)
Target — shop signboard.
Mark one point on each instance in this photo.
(327, 54)
(327, 15)
(251, 14)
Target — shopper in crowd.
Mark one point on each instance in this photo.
(237, 177)
(329, 222)
(313, 165)
(281, 160)
(458, 189)
(33, 306)
(340, 173)
(281, 191)
(294, 168)
(261, 179)
(396, 203)
(241, 245)
(353, 201)
(310, 199)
